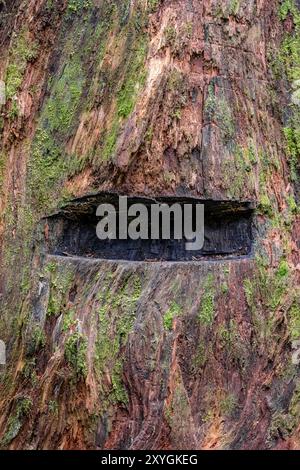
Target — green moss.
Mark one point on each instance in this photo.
(22, 51)
(96, 39)
(177, 89)
(228, 335)
(283, 424)
(134, 79)
(169, 176)
(292, 135)
(224, 288)
(116, 314)
(218, 110)
(110, 140)
(234, 7)
(265, 293)
(285, 8)
(65, 95)
(188, 29)
(287, 62)
(228, 404)
(288, 56)
(13, 428)
(170, 35)
(275, 284)
(48, 166)
(13, 112)
(29, 370)
(15, 421)
(176, 114)
(153, 5)
(294, 321)
(265, 205)
(24, 406)
(207, 306)
(49, 4)
(38, 339)
(51, 267)
(239, 169)
(61, 278)
(173, 311)
(45, 170)
(75, 354)
(119, 392)
(283, 269)
(126, 93)
(251, 154)
(77, 6)
(175, 81)
(201, 355)
(68, 321)
(48, 163)
(53, 407)
(249, 292)
(292, 205)
(226, 270)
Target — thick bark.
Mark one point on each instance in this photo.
(155, 98)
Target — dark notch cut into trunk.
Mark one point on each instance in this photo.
(72, 231)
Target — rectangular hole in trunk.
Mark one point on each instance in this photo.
(72, 231)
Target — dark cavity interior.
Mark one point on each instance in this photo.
(72, 232)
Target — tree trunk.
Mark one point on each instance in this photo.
(173, 100)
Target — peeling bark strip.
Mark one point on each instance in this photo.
(227, 231)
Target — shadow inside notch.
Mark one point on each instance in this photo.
(72, 231)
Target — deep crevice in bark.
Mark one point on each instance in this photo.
(72, 231)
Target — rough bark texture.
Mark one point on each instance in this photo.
(150, 98)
